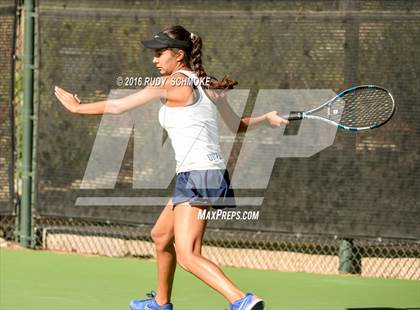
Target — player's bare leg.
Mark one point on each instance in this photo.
(163, 237)
(188, 230)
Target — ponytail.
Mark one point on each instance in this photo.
(194, 56)
(197, 66)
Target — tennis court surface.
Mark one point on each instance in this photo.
(40, 280)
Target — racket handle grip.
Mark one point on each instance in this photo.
(293, 116)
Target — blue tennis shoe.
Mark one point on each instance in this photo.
(249, 302)
(149, 303)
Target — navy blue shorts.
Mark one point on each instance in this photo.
(204, 187)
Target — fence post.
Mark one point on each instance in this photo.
(346, 256)
(25, 236)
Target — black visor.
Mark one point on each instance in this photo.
(162, 40)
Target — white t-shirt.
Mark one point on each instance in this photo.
(193, 131)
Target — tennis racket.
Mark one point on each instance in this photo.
(357, 108)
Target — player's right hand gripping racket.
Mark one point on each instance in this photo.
(357, 108)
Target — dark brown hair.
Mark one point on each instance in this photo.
(193, 56)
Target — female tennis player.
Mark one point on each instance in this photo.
(188, 112)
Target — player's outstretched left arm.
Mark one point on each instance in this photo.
(110, 106)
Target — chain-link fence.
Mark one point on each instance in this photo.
(9, 88)
(374, 257)
(351, 208)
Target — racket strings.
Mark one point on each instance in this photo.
(365, 107)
